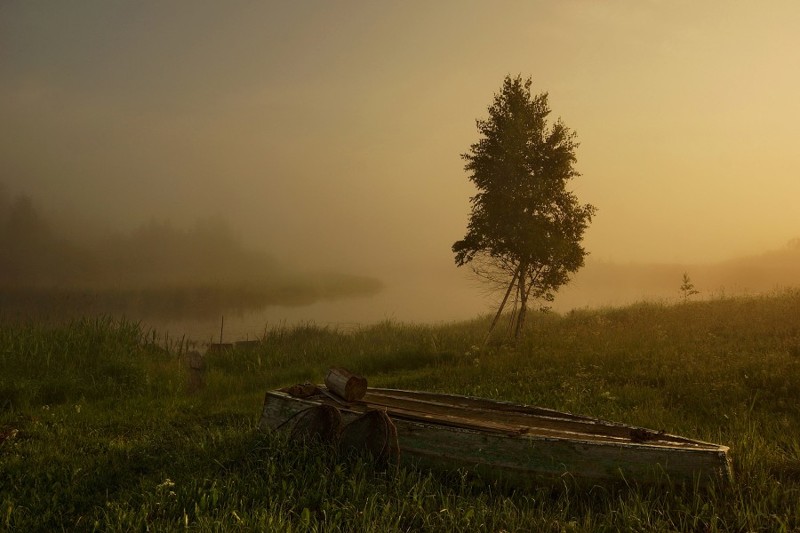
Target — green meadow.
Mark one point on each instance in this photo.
(98, 431)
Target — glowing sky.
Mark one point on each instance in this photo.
(330, 132)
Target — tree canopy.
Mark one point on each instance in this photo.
(525, 228)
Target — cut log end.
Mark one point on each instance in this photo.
(321, 422)
(372, 433)
(344, 383)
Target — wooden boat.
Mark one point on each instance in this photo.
(519, 444)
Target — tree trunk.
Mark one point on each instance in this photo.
(523, 302)
(500, 310)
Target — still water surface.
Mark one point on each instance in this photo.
(420, 300)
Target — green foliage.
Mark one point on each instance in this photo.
(525, 228)
(120, 445)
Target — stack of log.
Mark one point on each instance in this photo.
(372, 433)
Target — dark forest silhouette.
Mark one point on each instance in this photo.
(157, 268)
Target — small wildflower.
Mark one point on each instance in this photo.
(166, 484)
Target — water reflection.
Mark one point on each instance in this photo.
(418, 299)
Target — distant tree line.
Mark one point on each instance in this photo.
(31, 253)
(156, 255)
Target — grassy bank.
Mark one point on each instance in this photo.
(99, 432)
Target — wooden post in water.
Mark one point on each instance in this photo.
(196, 366)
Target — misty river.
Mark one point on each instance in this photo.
(417, 299)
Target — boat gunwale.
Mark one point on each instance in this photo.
(551, 415)
(685, 446)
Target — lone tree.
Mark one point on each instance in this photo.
(525, 230)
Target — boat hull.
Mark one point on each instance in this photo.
(519, 444)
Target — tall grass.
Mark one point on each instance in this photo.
(91, 359)
(99, 432)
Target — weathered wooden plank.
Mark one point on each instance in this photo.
(484, 414)
(536, 456)
(472, 402)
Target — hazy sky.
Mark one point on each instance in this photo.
(330, 132)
